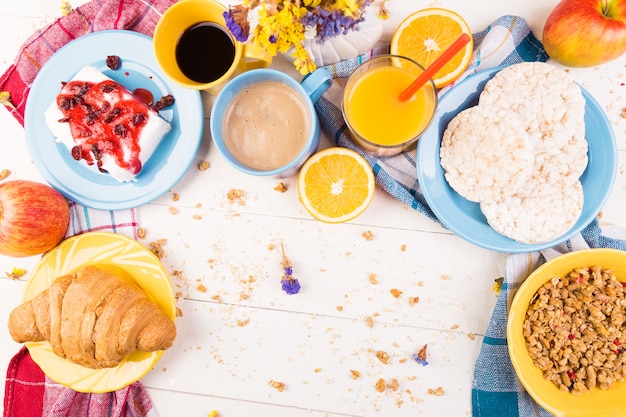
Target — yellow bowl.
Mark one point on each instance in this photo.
(597, 403)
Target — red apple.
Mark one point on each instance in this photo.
(33, 218)
(583, 33)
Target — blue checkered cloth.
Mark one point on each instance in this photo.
(496, 391)
(508, 40)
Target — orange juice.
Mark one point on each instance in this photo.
(374, 112)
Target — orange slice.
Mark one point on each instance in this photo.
(425, 34)
(336, 185)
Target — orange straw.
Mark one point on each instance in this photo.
(437, 64)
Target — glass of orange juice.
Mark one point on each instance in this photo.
(380, 123)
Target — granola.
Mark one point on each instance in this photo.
(575, 327)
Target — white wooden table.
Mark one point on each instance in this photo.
(244, 331)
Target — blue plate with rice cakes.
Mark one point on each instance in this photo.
(463, 217)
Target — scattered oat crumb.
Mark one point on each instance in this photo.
(403, 248)
(179, 312)
(279, 386)
(197, 217)
(4, 173)
(437, 391)
(368, 235)
(175, 197)
(445, 277)
(173, 210)
(339, 308)
(414, 300)
(420, 283)
(217, 298)
(470, 336)
(236, 195)
(243, 296)
(402, 360)
(201, 288)
(393, 384)
(454, 327)
(16, 273)
(354, 374)
(396, 292)
(382, 356)
(157, 247)
(281, 187)
(243, 323)
(369, 321)
(203, 165)
(600, 215)
(141, 233)
(317, 370)
(373, 280)
(381, 385)
(271, 246)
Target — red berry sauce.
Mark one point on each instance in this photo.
(105, 119)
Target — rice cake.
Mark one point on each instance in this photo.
(552, 109)
(536, 219)
(484, 153)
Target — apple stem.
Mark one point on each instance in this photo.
(605, 8)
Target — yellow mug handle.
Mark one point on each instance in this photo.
(254, 56)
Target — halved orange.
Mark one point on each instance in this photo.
(336, 185)
(425, 34)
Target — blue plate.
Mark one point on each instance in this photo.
(85, 184)
(463, 217)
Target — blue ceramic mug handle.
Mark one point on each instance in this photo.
(317, 82)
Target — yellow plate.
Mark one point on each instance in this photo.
(597, 403)
(116, 252)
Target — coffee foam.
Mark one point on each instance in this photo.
(266, 125)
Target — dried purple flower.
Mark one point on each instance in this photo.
(330, 23)
(237, 22)
(289, 283)
(420, 357)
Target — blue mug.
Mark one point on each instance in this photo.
(263, 122)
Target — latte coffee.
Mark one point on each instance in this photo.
(266, 125)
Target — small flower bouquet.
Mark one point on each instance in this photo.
(283, 25)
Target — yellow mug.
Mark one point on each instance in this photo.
(195, 49)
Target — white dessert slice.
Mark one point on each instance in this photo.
(100, 121)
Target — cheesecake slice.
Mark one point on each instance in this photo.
(104, 124)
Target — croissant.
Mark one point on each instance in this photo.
(93, 318)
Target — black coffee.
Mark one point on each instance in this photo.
(205, 52)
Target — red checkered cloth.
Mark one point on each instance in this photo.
(28, 392)
(136, 15)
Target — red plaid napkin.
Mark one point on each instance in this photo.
(136, 15)
(28, 392)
